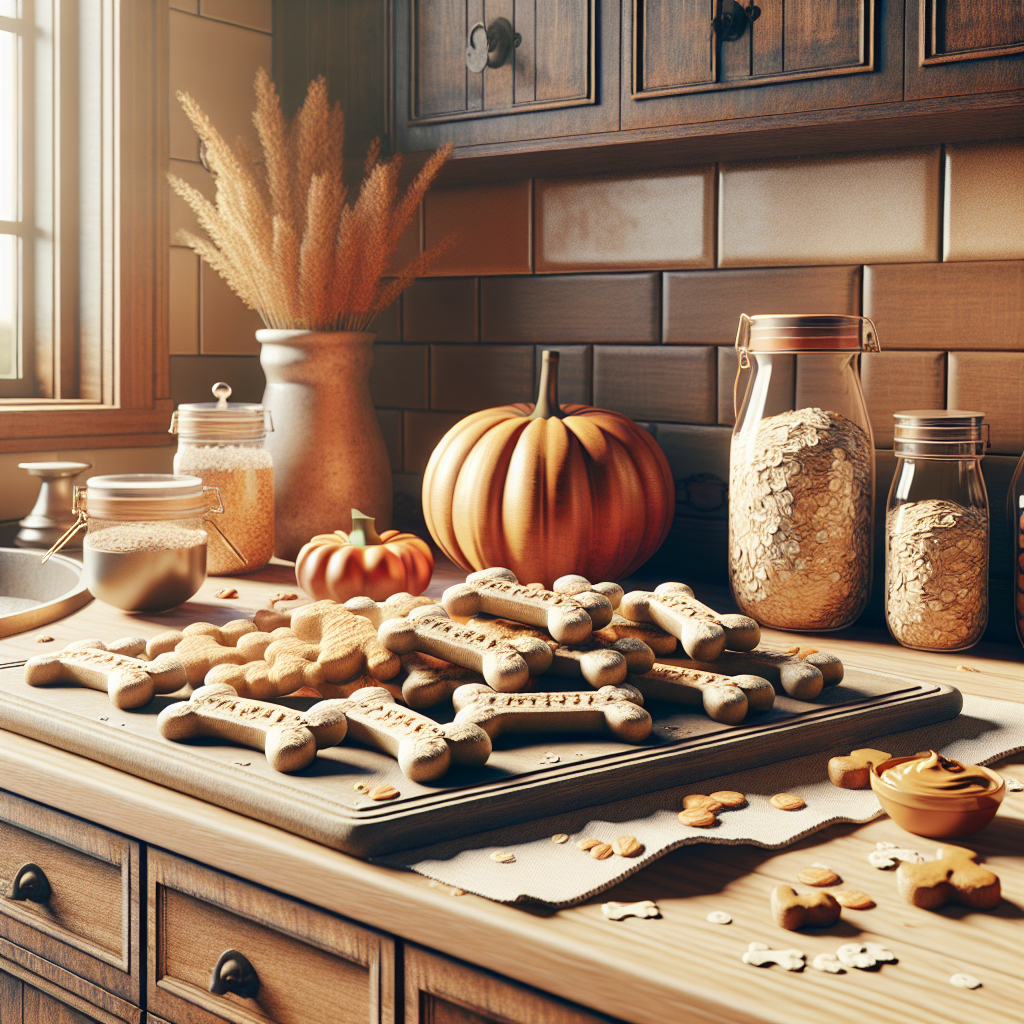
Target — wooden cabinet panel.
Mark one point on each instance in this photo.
(443, 991)
(27, 999)
(795, 55)
(955, 47)
(89, 921)
(310, 967)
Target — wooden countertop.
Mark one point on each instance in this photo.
(677, 968)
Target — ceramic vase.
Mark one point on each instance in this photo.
(328, 449)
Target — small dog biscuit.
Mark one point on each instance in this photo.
(793, 910)
(663, 644)
(202, 646)
(129, 682)
(701, 637)
(286, 664)
(289, 738)
(613, 709)
(759, 955)
(802, 678)
(573, 585)
(347, 643)
(725, 699)
(431, 681)
(956, 877)
(854, 772)
(397, 606)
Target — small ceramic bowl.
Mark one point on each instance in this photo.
(939, 815)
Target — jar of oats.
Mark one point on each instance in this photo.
(802, 472)
(937, 531)
(222, 443)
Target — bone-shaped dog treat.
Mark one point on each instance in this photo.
(501, 665)
(801, 678)
(430, 681)
(663, 644)
(793, 910)
(348, 643)
(535, 646)
(279, 611)
(569, 620)
(128, 682)
(287, 664)
(956, 877)
(886, 856)
(397, 606)
(613, 709)
(424, 750)
(759, 955)
(854, 772)
(573, 585)
(725, 699)
(619, 911)
(289, 738)
(202, 645)
(703, 632)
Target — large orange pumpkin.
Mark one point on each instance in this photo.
(547, 490)
(338, 566)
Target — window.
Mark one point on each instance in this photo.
(83, 234)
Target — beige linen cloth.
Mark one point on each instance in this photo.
(561, 876)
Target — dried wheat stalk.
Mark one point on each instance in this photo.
(281, 233)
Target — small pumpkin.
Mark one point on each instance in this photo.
(338, 566)
(547, 490)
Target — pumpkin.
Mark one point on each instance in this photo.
(547, 490)
(338, 566)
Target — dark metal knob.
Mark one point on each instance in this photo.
(234, 973)
(732, 19)
(30, 883)
(490, 47)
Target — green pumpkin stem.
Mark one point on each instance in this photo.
(547, 394)
(362, 534)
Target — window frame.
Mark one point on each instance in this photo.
(94, 264)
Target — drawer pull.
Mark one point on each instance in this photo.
(490, 47)
(234, 973)
(30, 883)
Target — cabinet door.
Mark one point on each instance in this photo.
(546, 84)
(954, 47)
(686, 61)
(22, 1002)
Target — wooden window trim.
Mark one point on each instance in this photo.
(100, 346)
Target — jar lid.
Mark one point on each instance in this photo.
(940, 433)
(144, 496)
(792, 332)
(221, 422)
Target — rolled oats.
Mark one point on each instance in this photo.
(729, 798)
(697, 817)
(503, 856)
(560, 838)
(384, 792)
(627, 846)
(602, 851)
(787, 802)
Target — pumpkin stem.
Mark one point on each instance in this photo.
(362, 534)
(547, 394)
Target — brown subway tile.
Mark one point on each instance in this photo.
(390, 421)
(703, 307)
(489, 225)
(635, 221)
(947, 305)
(440, 309)
(584, 308)
(399, 376)
(387, 324)
(420, 432)
(781, 397)
(183, 325)
(467, 378)
(193, 377)
(992, 383)
(575, 371)
(228, 326)
(693, 451)
(248, 13)
(877, 207)
(657, 383)
(901, 380)
(984, 203)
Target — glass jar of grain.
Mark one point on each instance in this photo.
(802, 472)
(1015, 507)
(937, 531)
(222, 443)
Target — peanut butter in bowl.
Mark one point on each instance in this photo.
(936, 796)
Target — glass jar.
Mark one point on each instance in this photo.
(802, 474)
(937, 531)
(145, 542)
(222, 443)
(1015, 507)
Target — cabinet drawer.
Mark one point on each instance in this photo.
(296, 965)
(83, 912)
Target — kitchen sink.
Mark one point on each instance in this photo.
(33, 594)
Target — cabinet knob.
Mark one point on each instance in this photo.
(490, 47)
(234, 973)
(732, 19)
(30, 883)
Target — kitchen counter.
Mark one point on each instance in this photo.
(671, 969)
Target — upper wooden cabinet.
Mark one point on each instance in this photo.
(955, 47)
(478, 71)
(686, 61)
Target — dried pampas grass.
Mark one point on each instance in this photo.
(281, 232)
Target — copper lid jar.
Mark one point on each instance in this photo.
(802, 472)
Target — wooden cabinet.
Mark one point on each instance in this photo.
(686, 61)
(25, 999)
(539, 68)
(220, 949)
(954, 47)
(443, 991)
